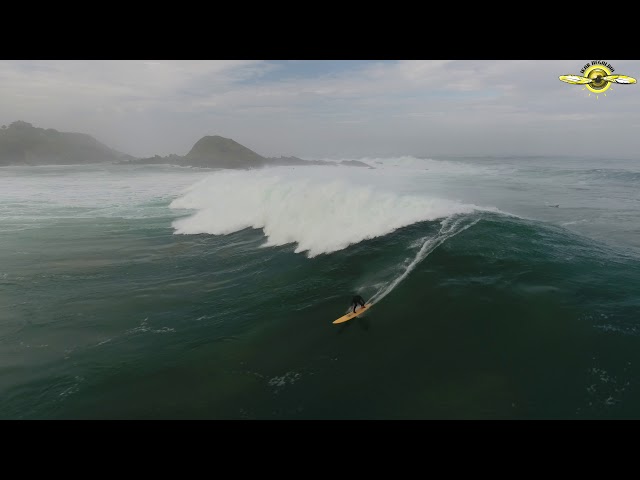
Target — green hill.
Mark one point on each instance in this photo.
(219, 152)
(23, 144)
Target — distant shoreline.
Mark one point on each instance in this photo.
(22, 144)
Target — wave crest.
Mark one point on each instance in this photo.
(320, 216)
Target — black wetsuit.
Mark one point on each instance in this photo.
(357, 300)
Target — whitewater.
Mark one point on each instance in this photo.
(319, 214)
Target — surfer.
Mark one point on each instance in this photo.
(357, 300)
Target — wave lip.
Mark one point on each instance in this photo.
(320, 216)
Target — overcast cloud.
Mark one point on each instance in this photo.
(320, 109)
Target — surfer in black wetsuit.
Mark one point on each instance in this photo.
(357, 300)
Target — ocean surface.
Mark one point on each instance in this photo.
(503, 288)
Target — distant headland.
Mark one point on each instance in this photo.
(23, 144)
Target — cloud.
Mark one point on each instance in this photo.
(319, 108)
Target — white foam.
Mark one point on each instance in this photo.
(288, 378)
(29, 195)
(316, 211)
(409, 165)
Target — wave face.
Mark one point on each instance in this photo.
(320, 216)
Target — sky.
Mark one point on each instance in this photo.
(329, 109)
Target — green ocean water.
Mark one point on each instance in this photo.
(159, 292)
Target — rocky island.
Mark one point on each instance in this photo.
(23, 144)
(219, 152)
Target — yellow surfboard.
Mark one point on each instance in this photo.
(351, 315)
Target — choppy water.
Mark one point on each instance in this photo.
(165, 292)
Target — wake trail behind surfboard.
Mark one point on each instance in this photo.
(450, 228)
